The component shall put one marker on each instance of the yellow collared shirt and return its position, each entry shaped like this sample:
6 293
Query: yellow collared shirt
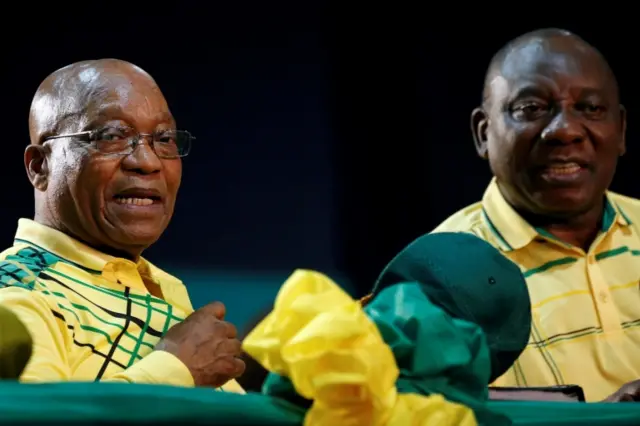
586 306
90 315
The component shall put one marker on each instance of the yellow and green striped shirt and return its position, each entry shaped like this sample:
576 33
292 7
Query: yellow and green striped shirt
586 306
90 315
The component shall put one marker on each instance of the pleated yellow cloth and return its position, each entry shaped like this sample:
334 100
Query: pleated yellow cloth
321 339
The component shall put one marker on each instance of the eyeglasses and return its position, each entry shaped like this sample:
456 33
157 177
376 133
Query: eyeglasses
122 141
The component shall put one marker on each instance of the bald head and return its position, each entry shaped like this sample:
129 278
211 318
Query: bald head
92 115
551 101
528 47
66 96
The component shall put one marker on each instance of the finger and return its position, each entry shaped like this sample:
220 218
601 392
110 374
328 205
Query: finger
231 330
230 347
216 309
236 347
239 367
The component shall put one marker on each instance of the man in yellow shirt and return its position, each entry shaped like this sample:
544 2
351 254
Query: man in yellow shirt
105 163
552 127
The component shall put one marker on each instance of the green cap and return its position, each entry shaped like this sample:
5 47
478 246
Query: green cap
470 280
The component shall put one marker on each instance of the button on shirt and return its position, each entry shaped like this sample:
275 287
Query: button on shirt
586 305
90 315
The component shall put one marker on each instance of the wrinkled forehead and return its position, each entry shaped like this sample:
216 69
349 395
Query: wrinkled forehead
122 96
92 96
559 69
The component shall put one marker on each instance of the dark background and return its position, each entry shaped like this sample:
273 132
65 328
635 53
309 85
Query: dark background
327 137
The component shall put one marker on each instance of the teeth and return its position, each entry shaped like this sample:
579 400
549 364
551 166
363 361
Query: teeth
564 168
135 201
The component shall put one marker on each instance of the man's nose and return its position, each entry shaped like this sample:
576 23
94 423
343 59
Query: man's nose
143 159
565 128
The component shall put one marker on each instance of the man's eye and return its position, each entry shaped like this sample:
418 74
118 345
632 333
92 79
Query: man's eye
111 134
528 111
593 109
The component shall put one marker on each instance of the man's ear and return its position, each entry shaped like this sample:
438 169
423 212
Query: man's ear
479 126
623 124
36 162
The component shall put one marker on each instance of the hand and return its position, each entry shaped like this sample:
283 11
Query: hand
627 393
207 345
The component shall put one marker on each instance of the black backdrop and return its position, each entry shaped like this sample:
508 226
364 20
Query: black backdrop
328 136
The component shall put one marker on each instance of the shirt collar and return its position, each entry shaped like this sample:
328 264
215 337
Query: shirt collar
512 232
92 260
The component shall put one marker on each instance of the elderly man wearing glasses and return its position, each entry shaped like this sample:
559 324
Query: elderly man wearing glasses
105 163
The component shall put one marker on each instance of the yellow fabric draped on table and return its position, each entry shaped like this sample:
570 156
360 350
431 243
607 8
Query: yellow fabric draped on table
322 340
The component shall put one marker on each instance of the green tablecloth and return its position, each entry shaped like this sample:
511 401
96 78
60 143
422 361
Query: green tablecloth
110 403
102 403
568 413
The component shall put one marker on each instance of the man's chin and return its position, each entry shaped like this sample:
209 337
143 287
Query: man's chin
134 236
564 203
139 239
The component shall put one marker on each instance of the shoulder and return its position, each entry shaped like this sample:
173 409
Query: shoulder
21 264
469 219
21 283
463 220
472 220
630 207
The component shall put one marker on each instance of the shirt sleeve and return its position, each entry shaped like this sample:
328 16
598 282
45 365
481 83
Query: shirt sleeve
159 367
49 360
174 372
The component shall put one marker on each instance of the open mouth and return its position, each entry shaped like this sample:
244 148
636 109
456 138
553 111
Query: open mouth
138 197
564 172
563 168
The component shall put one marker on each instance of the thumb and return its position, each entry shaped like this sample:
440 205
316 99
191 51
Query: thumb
216 309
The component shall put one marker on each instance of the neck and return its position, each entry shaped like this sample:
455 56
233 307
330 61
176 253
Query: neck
133 255
130 254
579 230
